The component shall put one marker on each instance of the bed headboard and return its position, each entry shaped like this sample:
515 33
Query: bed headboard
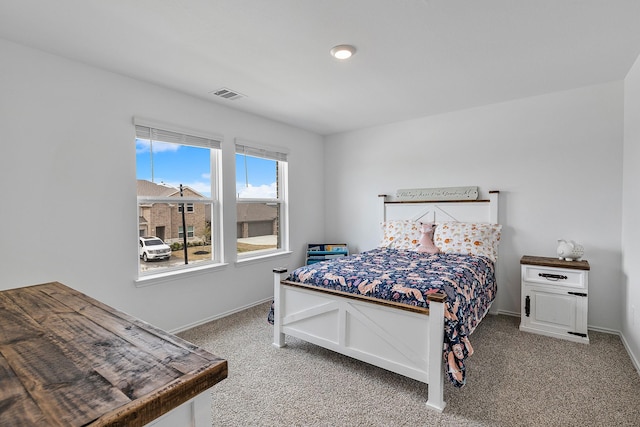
485 210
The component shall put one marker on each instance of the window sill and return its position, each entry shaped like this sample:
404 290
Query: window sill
260 258
170 276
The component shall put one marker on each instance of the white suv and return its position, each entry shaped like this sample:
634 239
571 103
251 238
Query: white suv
153 248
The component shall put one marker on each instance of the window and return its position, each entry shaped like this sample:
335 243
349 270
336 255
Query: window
190 232
261 201
174 170
189 208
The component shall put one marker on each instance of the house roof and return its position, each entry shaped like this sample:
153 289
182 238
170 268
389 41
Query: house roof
151 189
148 188
414 58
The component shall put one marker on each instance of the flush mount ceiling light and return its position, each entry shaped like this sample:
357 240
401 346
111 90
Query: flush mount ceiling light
343 51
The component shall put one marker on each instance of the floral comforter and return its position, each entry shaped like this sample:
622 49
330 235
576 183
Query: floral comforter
408 277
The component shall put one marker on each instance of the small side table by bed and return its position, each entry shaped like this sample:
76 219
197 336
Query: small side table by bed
555 297
69 360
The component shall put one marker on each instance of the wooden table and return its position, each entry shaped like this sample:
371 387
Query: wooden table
69 360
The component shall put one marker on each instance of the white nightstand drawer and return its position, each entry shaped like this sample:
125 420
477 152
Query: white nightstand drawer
554 276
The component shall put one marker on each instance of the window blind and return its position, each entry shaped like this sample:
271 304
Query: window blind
261 152
153 134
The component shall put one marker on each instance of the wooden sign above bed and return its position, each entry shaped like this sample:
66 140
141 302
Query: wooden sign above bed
445 193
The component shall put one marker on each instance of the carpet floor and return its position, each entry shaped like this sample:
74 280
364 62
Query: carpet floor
514 379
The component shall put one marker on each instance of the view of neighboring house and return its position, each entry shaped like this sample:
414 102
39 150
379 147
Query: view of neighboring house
164 220
256 219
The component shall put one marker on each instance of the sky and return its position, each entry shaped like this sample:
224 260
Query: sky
176 164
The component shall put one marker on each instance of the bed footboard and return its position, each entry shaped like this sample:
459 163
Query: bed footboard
402 341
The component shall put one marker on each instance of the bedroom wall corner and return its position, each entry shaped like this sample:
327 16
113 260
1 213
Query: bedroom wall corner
630 215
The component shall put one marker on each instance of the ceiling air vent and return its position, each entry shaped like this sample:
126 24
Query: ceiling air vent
227 94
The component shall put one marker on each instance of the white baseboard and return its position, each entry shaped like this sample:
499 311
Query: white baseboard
509 313
605 330
634 360
219 316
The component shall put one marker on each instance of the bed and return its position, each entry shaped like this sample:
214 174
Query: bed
406 310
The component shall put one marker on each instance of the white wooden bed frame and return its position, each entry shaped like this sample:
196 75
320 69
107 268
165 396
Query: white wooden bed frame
379 332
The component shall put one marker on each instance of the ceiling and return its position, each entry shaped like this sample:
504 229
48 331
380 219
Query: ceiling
414 57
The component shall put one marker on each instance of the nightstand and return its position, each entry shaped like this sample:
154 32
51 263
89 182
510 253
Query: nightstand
555 297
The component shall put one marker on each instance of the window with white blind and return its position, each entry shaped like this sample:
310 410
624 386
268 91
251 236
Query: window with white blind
178 177
261 200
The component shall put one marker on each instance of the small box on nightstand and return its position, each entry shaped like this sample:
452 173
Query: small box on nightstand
554 297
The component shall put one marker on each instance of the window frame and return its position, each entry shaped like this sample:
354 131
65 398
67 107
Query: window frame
279 155
214 200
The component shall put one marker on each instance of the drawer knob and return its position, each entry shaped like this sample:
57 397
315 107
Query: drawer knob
554 277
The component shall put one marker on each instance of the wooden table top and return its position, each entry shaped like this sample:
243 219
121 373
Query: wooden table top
69 360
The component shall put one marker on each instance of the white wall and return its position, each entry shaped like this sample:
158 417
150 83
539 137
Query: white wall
67 169
631 214
556 159
67 173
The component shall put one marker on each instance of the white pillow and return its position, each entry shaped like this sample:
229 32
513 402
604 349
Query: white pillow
468 238
400 234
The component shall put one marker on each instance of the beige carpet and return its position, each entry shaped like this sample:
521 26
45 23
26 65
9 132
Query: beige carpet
514 379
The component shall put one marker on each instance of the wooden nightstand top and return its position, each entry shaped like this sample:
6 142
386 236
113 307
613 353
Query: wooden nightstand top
554 262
